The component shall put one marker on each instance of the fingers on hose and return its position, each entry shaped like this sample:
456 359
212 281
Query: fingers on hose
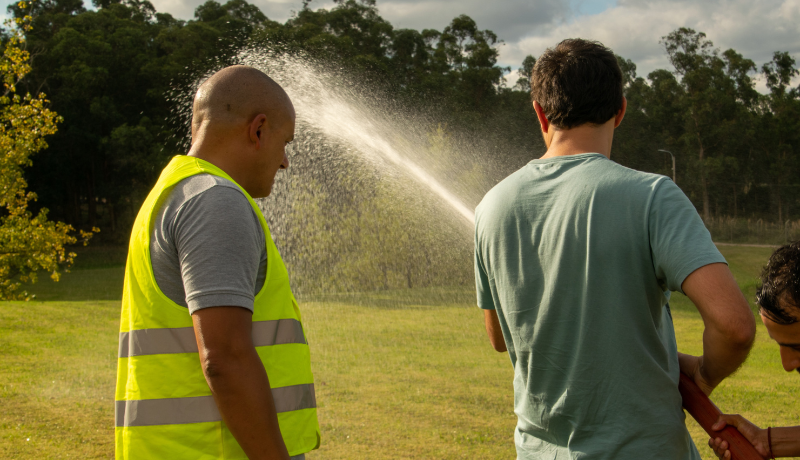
727 419
719 447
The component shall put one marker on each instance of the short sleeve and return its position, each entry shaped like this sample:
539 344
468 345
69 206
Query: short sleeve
219 243
482 285
679 241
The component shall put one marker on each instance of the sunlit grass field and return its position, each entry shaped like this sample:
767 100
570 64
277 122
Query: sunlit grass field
399 374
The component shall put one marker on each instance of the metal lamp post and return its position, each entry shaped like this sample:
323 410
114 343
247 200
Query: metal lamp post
673 163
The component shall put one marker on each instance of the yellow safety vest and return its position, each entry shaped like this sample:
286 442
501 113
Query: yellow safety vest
164 407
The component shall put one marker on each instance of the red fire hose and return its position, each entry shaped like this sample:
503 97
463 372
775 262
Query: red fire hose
706 413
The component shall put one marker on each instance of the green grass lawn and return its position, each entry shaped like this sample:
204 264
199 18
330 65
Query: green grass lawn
399 374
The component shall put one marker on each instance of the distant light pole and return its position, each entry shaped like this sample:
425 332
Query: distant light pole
673 163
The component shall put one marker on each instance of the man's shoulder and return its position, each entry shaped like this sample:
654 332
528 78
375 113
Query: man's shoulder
198 184
198 199
592 171
503 190
628 177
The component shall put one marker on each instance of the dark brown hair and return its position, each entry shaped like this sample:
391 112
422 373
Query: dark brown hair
577 82
778 297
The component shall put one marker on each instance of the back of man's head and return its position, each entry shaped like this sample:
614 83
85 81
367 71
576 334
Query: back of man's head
235 94
778 297
577 82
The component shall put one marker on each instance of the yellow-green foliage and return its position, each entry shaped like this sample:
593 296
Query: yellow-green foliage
28 243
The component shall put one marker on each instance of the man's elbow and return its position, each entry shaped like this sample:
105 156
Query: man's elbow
214 368
745 335
218 364
742 333
498 345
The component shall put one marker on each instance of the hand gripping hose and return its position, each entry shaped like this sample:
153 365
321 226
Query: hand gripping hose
706 413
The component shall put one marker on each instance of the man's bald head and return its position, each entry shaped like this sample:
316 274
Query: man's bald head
236 94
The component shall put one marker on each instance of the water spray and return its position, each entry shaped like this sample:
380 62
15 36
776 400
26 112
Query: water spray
326 102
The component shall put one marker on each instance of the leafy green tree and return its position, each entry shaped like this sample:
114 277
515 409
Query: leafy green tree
525 73
719 97
28 242
634 142
472 55
778 135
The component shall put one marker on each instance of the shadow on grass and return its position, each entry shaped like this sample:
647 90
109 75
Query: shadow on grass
97 274
80 285
89 257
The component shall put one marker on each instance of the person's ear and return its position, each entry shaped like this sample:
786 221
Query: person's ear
258 128
543 121
621 114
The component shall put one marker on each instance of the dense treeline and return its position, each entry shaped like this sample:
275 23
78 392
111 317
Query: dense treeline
108 71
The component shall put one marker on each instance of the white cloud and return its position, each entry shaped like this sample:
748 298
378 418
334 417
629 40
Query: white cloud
509 19
633 29
277 10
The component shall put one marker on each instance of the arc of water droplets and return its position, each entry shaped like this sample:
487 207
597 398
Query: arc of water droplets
342 116
341 121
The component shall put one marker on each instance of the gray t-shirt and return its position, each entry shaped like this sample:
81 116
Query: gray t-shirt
578 256
207 246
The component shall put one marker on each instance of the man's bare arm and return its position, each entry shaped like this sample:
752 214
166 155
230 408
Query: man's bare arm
782 442
238 380
729 325
493 330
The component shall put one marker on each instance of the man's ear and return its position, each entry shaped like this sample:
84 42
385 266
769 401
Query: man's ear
543 121
258 128
621 114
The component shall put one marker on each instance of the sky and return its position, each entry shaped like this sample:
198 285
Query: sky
632 28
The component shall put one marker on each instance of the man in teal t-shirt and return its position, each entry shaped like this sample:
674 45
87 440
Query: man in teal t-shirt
575 258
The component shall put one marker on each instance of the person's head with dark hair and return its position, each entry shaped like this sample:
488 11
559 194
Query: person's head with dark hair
577 82
576 89
778 299
778 296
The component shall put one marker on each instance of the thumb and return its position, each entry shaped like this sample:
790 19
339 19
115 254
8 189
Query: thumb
726 419
722 421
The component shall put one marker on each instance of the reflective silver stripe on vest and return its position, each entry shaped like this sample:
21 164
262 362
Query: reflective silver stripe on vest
173 411
181 339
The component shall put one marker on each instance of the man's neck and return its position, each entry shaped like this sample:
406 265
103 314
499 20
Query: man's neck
218 154
580 139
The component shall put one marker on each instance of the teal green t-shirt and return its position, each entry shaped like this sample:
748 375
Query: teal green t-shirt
578 256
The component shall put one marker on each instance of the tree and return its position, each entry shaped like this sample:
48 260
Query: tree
718 96
778 133
472 56
28 242
525 72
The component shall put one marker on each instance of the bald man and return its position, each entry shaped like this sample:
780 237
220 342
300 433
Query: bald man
213 359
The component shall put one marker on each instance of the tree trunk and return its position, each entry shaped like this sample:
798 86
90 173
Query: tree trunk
703 184
113 217
76 209
706 204
92 200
